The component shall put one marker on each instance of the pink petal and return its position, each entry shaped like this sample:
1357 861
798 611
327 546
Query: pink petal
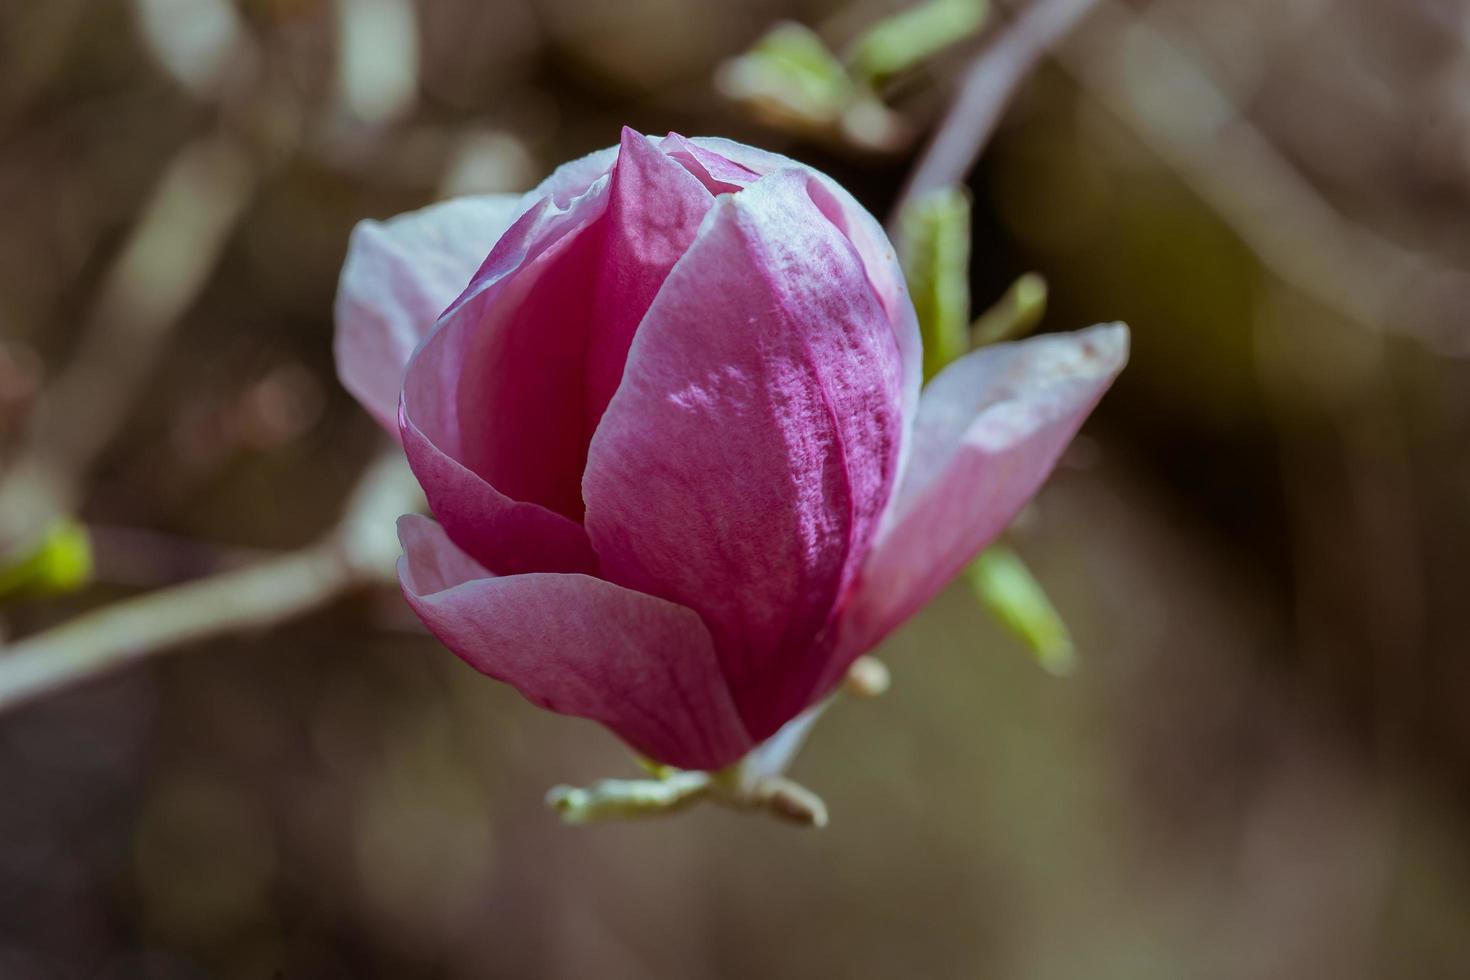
431 563
886 277
643 667
502 401
508 535
726 166
717 172
991 427
652 218
742 467
492 416
399 276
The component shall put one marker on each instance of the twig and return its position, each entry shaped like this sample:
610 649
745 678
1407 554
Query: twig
360 551
117 636
988 86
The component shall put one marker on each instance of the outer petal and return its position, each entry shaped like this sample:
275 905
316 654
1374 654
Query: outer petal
399 276
643 667
991 427
729 165
742 467
573 178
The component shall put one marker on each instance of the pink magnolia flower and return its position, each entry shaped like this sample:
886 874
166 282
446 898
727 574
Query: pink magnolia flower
666 410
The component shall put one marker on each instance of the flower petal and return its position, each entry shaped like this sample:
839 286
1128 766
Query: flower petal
726 165
743 464
654 213
508 535
643 667
505 395
573 179
718 173
492 416
991 427
399 276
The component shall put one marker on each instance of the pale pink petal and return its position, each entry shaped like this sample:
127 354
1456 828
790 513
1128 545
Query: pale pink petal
774 756
991 427
399 276
431 562
580 646
726 158
717 172
742 467
573 178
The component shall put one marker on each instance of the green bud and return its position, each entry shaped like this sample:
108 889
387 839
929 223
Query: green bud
1011 593
60 561
789 76
1014 315
908 38
934 247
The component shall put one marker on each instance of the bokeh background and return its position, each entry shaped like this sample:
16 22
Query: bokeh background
1261 543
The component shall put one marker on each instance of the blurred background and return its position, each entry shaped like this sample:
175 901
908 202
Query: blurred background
1261 543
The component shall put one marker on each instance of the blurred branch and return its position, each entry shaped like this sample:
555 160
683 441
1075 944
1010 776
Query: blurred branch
198 42
377 58
988 86
360 551
172 250
169 256
1138 71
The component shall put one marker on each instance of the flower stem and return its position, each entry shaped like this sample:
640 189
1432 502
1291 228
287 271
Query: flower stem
622 799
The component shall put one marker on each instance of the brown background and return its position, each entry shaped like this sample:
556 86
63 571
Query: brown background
1261 543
